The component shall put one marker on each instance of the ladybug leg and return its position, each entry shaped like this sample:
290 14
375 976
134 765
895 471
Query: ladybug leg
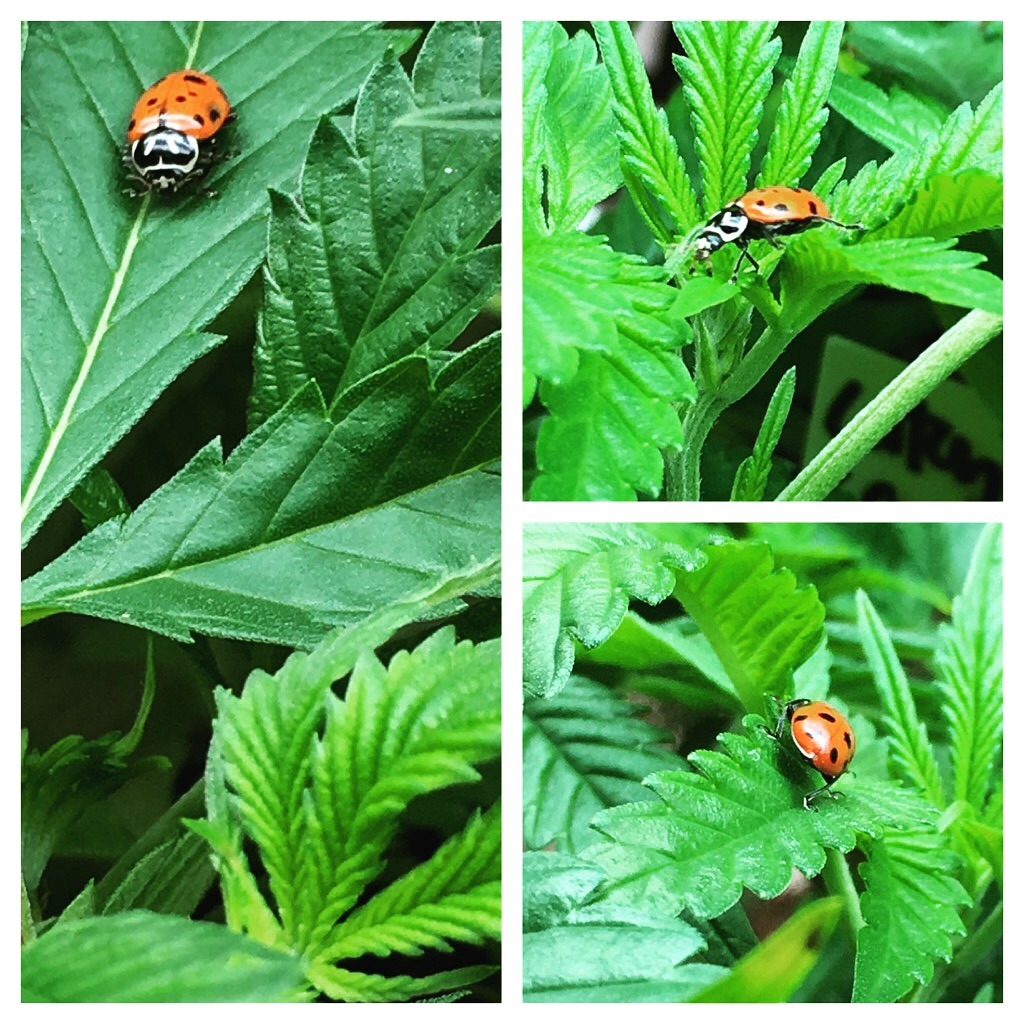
744 255
819 792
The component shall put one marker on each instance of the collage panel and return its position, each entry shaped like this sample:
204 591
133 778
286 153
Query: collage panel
762 762
261 516
762 261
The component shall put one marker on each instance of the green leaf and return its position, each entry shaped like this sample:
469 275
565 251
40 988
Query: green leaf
116 290
319 784
752 473
931 268
970 665
776 968
570 150
577 583
727 75
655 174
583 750
453 897
759 623
380 253
296 531
738 820
802 113
900 121
580 949
910 909
150 958
950 205
908 736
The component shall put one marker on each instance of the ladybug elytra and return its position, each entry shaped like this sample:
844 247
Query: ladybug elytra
823 736
172 128
764 213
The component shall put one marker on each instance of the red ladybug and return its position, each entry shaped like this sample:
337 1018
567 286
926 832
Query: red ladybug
172 128
823 736
764 213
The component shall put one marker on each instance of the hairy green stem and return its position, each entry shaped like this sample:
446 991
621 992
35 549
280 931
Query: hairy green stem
831 465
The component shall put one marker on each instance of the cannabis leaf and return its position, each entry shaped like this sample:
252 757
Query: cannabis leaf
116 291
578 947
319 784
583 750
738 820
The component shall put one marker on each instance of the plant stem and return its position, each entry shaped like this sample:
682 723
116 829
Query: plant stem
682 479
977 944
839 882
832 464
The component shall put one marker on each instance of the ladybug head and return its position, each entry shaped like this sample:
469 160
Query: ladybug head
164 158
726 226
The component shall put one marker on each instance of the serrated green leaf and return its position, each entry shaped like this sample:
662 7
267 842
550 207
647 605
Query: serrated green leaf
453 897
583 750
314 521
570 150
970 664
656 177
989 842
577 583
738 820
898 120
802 113
319 785
151 958
727 74
776 968
752 474
931 268
379 255
908 735
580 949
115 290
353 987
950 205
910 909
759 623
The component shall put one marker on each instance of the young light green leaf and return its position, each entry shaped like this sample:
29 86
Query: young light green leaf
260 545
759 623
117 289
577 583
656 177
453 897
380 254
319 785
570 149
578 948
802 113
738 820
153 958
580 294
908 736
970 664
727 74
583 750
910 907
752 474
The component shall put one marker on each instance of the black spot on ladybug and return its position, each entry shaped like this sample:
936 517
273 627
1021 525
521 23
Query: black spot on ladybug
198 120
833 755
760 202
799 718
784 207
826 716
799 190
214 114
813 207
849 742
152 100
131 124
195 78
180 99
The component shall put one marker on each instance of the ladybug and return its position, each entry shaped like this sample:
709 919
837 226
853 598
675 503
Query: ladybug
764 213
172 130
823 736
